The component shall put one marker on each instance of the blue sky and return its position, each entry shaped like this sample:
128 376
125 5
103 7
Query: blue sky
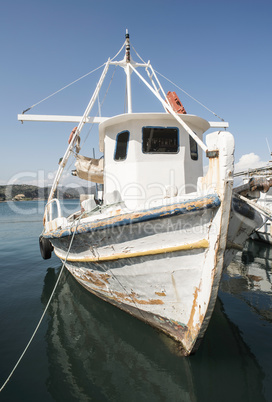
218 51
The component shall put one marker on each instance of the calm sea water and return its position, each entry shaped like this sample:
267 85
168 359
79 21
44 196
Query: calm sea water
88 350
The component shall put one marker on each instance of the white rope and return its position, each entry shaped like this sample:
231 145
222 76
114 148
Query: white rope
39 323
138 55
119 51
66 86
80 78
190 96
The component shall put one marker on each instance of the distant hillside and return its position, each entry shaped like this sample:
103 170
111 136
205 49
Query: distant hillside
28 192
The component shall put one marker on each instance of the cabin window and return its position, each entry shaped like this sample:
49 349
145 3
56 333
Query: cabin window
193 149
160 140
120 153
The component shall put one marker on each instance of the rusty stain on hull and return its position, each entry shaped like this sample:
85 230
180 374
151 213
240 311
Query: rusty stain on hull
160 294
191 330
99 281
173 329
132 297
179 332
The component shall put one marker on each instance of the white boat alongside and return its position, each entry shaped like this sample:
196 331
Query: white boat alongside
156 242
262 177
264 233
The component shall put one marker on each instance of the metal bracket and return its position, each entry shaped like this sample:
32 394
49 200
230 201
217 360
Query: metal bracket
212 154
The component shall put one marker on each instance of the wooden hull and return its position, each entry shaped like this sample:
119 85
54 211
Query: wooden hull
162 267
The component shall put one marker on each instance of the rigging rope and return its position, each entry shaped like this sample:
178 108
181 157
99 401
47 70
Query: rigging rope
45 310
138 55
66 86
190 96
78 79
119 51
111 59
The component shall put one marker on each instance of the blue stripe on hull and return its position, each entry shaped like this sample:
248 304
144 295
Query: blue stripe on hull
198 204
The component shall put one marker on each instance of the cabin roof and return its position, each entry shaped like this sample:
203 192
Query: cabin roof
190 119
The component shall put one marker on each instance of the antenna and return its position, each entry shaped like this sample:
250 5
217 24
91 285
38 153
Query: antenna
127 47
128 72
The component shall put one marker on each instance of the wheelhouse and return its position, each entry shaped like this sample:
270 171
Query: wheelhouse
148 157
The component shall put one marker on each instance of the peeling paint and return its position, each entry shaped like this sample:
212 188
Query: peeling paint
160 294
99 280
132 297
209 201
191 319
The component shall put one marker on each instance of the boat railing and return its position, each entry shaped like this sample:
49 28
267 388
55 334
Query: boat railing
52 223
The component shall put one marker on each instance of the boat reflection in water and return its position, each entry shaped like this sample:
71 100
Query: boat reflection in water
97 352
249 277
246 293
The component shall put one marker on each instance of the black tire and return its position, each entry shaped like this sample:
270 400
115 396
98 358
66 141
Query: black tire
46 248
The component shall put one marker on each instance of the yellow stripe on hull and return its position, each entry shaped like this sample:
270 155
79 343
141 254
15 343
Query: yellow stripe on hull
197 245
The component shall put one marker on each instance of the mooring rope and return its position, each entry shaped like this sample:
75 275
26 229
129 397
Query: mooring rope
45 310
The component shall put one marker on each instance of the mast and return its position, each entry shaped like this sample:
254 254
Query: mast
128 73
129 67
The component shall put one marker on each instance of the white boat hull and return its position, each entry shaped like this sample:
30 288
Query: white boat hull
264 233
163 267
164 271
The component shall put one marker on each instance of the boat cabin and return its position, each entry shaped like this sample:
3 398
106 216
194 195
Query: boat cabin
149 157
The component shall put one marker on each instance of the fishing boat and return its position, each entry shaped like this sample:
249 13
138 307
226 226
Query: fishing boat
155 241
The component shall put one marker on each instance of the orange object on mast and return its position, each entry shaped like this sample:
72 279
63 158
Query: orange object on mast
72 134
175 102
